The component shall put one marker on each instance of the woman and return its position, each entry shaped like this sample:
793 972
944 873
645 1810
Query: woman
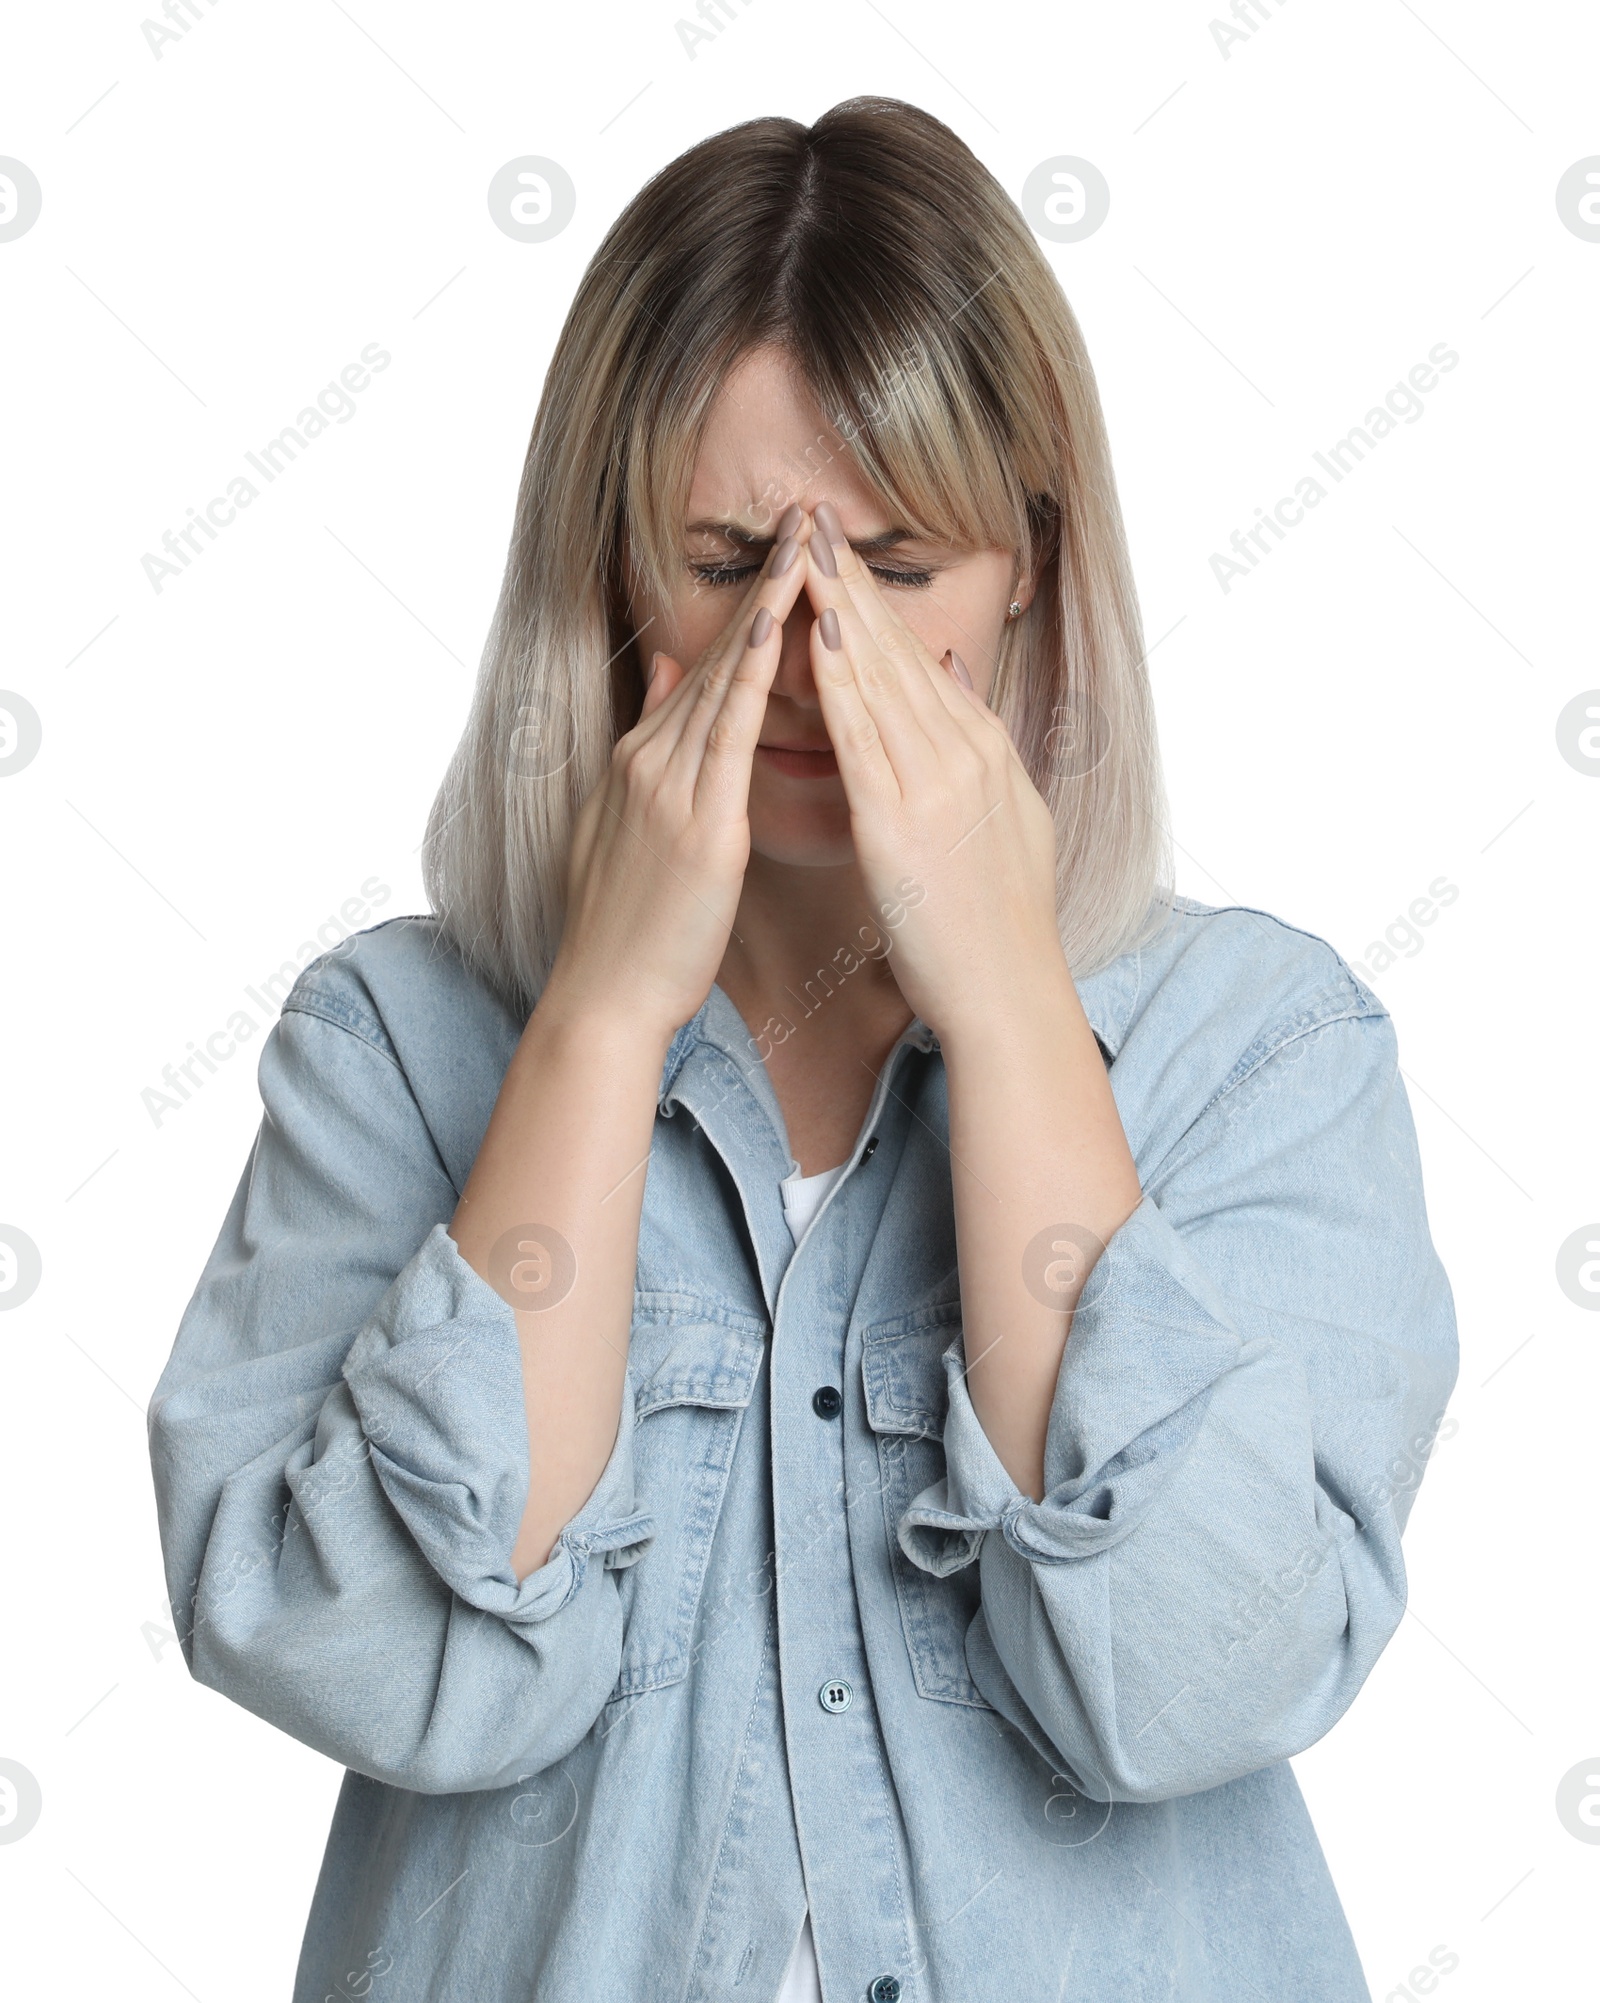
813 1378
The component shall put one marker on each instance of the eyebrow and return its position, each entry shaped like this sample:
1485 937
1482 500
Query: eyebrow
746 539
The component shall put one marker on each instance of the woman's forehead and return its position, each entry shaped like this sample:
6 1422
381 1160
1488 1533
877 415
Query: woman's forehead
757 455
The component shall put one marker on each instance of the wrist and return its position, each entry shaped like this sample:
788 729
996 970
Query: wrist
1019 1016
569 1020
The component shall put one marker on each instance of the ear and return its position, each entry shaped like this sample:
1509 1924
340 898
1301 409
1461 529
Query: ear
1037 566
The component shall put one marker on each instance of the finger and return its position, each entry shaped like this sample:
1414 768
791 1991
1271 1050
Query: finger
844 651
671 691
995 744
868 772
900 679
974 704
728 671
661 678
894 639
929 691
728 752
955 687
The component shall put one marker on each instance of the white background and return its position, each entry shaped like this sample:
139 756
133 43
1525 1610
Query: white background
1292 227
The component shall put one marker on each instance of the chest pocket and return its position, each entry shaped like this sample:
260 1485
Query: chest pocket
693 1364
907 1399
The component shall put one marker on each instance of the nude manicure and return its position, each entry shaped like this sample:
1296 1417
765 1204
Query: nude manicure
823 554
828 522
789 520
958 668
828 627
760 627
784 555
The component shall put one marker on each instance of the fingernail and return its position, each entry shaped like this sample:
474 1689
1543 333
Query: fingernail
828 522
760 627
789 521
784 555
958 668
823 553
828 627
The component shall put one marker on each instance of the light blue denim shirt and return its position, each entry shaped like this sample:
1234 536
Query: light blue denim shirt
1003 1748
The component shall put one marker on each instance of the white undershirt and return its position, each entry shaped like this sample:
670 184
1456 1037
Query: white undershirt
802 1199
800 1984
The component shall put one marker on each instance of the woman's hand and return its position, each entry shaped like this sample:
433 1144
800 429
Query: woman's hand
937 795
660 847
1038 1155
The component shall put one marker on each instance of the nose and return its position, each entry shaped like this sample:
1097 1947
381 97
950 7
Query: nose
793 679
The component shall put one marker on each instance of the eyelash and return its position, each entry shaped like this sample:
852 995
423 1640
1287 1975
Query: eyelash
729 573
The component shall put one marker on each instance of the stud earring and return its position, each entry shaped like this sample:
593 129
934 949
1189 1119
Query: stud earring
1014 610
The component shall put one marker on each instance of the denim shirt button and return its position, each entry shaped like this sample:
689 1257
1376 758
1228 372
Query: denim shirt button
835 1695
826 1402
884 1989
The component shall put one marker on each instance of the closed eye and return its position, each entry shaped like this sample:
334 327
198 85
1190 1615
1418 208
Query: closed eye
716 574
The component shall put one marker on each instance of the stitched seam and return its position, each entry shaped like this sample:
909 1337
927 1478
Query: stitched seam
1192 908
431 1160
1296 1034
769 1636
1133 999
693 1311
914 1321
1370 1004
325 1011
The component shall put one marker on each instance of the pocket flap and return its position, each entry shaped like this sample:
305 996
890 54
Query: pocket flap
902 1370
687 1350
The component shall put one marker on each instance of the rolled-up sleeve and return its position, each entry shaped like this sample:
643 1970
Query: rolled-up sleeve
1253 1383
341 1460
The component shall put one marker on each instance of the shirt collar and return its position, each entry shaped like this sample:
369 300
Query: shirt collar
718 1024
1107 996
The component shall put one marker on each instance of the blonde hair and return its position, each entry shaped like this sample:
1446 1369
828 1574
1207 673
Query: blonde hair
879 252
